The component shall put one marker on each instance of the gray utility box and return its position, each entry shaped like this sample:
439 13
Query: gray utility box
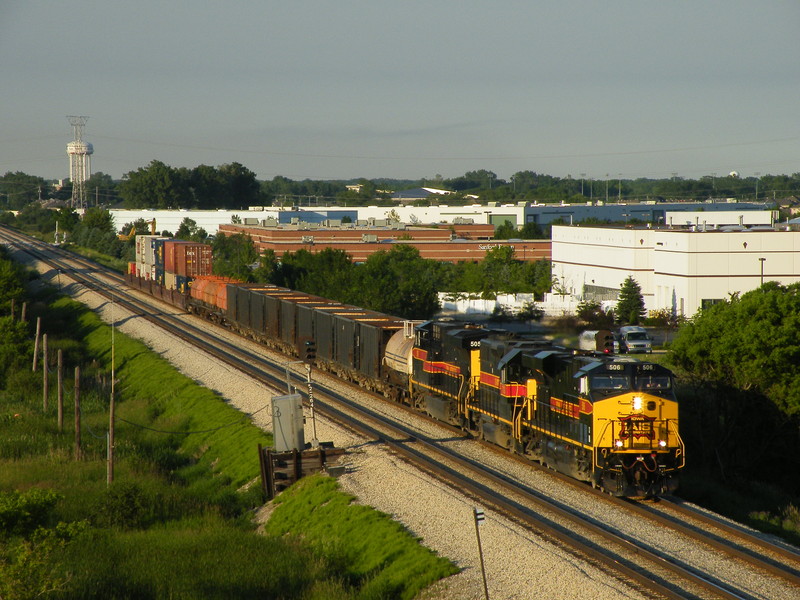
287 422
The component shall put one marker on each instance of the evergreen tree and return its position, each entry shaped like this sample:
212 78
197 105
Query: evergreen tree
630 305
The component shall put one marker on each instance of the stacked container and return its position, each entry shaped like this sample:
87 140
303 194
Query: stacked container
187 259
146 256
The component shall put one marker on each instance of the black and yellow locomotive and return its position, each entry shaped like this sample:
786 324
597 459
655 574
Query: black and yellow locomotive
607 420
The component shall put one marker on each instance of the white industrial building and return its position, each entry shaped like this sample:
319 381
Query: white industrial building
492 213
680 269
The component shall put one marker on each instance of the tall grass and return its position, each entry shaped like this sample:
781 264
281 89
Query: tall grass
176 521
374 554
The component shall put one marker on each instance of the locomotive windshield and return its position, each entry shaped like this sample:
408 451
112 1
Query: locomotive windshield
610 382
653 382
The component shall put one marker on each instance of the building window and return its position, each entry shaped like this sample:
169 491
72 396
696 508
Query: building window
709 302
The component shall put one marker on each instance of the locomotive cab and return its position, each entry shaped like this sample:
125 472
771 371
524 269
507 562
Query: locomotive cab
635 420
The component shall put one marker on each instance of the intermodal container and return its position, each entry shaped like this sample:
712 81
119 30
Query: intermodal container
189 259
145 249
146 271
159 275
158 251
182 283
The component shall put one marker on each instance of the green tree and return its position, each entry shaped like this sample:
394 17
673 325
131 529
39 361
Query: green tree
67 219
19 189
630 305
398 282
500 272
189 231
34 218
242 188
538 277
100 219
157 186
741 413
749 342
101 189
592 313
234 256
506 231
97 231
12 281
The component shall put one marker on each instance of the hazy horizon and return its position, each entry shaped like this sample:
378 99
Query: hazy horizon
337 91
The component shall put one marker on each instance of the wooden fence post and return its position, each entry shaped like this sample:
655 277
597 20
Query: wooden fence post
77 413
45 375
36 342
60 380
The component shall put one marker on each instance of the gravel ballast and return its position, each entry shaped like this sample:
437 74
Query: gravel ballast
518 564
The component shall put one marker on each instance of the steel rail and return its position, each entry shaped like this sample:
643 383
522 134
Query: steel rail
486 493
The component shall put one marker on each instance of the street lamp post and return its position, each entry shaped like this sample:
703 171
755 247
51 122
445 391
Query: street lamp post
762 260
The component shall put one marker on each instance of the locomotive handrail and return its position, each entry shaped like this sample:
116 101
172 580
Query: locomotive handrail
671 425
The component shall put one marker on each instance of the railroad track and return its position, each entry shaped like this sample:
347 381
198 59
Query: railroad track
522 503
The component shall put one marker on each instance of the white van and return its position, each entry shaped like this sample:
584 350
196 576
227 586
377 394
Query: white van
633 338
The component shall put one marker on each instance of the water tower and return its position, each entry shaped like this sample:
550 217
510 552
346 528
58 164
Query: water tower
80 162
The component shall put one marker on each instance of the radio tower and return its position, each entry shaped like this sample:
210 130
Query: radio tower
80 162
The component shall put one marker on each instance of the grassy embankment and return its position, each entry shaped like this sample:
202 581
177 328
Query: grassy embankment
177 520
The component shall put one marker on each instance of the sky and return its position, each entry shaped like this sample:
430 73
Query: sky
338 90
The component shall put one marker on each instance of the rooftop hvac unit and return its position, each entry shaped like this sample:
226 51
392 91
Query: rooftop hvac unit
369 237
306 239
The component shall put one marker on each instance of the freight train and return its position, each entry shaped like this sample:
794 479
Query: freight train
607 420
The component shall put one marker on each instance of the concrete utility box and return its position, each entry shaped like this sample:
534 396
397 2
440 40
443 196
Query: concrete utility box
287 422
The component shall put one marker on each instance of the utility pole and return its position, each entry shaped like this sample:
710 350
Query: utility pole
111 407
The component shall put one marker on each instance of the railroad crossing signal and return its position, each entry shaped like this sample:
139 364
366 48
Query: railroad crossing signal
310 349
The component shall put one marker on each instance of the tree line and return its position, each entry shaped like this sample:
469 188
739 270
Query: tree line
397 281
234 186
739 359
